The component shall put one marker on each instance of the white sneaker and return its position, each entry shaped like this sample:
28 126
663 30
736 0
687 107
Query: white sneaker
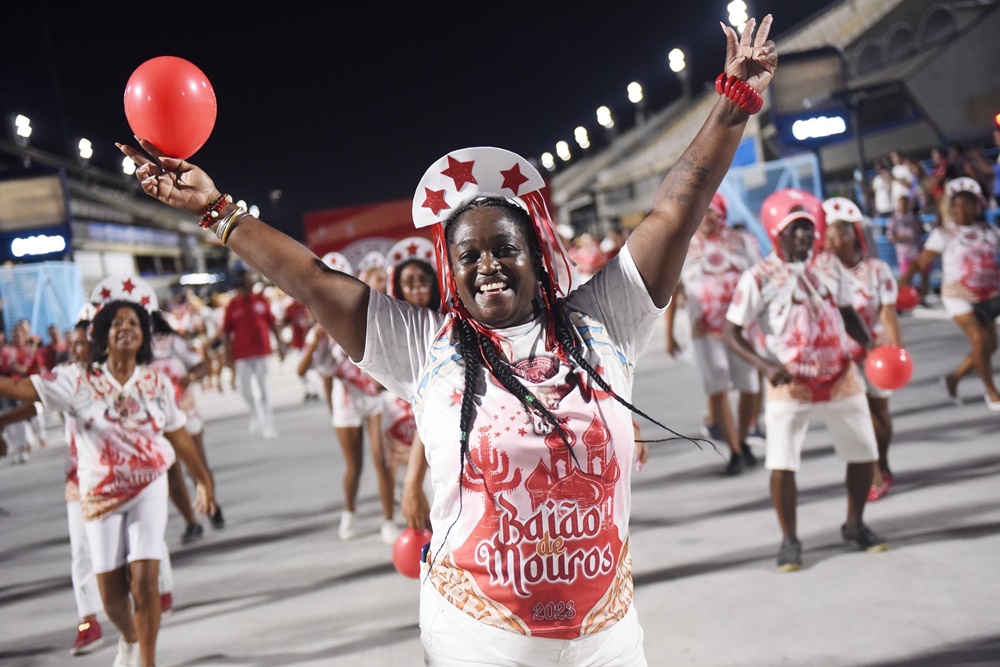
389 532
254 427
128 654
269 434
346 530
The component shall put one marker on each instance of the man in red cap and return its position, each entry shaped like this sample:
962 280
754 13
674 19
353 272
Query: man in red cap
801 298
716 259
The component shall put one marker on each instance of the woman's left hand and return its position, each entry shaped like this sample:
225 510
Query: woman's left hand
749 59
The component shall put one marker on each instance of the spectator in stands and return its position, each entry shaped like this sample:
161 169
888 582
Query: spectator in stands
56 351
942 172
882 190
902 177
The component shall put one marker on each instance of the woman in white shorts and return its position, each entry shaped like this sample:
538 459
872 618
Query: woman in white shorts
970 282
133 430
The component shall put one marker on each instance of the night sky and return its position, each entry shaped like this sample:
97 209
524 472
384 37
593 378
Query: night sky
347 105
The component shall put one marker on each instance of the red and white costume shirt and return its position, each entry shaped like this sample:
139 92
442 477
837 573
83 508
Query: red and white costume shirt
797 306
398 428
711 270
72 462
330 360
872 286
538 542
119 435
968 261
175 357
18 362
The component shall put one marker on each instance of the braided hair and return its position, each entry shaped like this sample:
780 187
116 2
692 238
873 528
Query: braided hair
477 348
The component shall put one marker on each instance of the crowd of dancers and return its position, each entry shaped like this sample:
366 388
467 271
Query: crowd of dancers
482 358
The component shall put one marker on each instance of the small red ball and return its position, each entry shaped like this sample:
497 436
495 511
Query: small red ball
889 367
406 551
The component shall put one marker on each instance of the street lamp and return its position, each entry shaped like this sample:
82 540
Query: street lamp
634 91
738 16
86 149
678 65
562 150
22 131
605 120
580 134
548 161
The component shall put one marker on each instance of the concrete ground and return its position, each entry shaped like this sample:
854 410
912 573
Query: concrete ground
276 586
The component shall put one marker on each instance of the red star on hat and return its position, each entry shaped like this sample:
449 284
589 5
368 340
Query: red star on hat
128 286
460 172
836 206
513 179
412 249
435 201
144 301
105 293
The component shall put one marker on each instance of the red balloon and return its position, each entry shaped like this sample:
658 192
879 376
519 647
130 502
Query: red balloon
406 551
170 102
889 367
908 298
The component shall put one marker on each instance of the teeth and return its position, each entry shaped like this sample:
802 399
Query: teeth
492 286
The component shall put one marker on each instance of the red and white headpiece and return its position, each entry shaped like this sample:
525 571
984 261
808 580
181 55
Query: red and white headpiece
842 209
373 260
413 247
719 205
338 262
783 207
963 184
125 288
87 312
464 175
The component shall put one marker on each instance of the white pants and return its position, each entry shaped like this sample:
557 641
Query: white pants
88 598
721 369
847 419
453 638
248 371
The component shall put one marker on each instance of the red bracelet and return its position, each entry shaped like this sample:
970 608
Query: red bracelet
739 91
212 210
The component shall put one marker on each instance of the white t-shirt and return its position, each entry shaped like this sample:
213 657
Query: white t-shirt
902 182
872 286
538 543
119 435
797 306
711 270
968 261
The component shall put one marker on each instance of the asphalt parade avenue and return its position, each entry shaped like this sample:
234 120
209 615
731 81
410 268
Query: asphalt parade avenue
277 587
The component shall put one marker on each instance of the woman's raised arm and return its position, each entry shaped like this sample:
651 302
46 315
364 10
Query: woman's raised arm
339 301
660 243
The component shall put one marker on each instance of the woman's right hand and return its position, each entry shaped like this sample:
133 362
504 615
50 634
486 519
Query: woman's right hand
777 375
416 510
173 181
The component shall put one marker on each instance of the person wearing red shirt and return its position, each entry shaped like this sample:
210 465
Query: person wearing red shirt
247 329
300 320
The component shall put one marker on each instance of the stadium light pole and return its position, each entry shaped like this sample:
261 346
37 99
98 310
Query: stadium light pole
22 133
678 65
635 96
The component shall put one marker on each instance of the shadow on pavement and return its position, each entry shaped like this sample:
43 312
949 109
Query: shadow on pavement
975 653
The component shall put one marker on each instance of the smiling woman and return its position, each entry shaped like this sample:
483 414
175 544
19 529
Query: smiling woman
134 430
525 378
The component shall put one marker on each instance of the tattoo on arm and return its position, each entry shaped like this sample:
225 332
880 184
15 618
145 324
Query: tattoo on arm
684 178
